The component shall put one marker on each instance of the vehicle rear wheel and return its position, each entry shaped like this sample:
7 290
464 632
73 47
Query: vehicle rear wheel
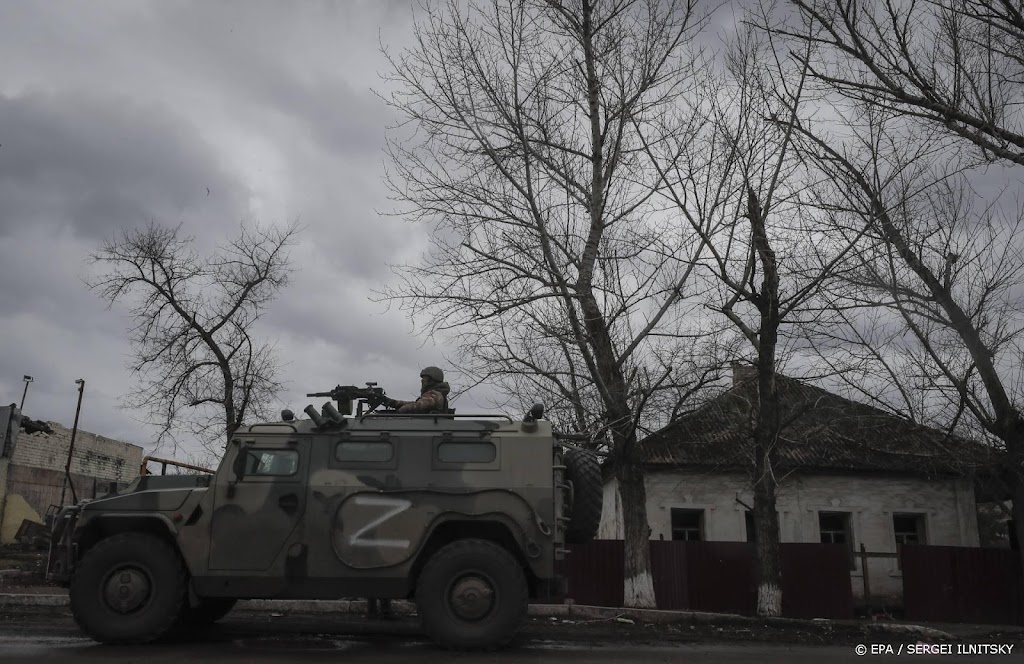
584 471
128 588
208 611
472 594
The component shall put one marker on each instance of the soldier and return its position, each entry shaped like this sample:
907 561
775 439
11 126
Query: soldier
433 394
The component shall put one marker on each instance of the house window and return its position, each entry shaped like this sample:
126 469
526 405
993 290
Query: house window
909 528
835 529
687 525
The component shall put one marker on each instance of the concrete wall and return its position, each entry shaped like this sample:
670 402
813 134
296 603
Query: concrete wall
34 473
948 507
41 487
94 456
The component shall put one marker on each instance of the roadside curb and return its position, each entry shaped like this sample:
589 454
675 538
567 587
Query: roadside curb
406 607
572 612
11 600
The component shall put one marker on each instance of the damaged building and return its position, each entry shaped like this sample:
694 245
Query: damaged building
34 458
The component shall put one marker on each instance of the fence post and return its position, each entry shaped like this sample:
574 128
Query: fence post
864 572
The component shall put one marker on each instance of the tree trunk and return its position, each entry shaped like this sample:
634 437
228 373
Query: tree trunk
767 425
231 422
1014 468
766 524
1018 517
639 588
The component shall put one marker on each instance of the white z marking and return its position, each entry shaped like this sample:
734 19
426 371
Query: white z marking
397 505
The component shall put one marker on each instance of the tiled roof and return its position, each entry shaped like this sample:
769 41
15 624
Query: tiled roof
823 432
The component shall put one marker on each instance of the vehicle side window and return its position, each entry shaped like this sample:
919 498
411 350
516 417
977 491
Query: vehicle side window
472 452
280 463
369 451
466 454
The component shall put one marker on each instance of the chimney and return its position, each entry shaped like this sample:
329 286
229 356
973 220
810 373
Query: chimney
742 372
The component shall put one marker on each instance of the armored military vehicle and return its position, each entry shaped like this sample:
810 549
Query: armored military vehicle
465 514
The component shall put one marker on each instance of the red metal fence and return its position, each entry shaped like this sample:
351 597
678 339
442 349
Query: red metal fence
595 572
716 576
940 583
962 584
816 581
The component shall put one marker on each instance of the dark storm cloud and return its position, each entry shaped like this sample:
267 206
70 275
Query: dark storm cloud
338 118
115 114
255 48
340 315
97 165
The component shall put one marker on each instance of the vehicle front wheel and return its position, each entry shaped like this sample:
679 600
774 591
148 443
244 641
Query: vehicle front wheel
128 588
472 594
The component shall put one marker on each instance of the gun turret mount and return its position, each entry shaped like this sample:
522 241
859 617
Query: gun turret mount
345 394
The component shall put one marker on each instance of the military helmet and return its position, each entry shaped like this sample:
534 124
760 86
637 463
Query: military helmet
433 373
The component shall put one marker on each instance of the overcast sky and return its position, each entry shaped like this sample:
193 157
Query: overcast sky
207 114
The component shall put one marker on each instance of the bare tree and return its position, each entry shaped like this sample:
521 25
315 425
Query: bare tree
957 64
948 264
738 188
194 353
920 80
553 262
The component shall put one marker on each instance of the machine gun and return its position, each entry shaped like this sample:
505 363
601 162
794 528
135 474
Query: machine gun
345 394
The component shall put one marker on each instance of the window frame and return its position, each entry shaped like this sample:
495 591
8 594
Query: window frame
920 520
920 523
847 531
254 476
701 523
437 464
391 464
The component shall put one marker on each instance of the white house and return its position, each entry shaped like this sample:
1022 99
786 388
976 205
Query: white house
848 474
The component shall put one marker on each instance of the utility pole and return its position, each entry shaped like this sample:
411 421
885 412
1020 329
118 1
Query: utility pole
71 448
27 379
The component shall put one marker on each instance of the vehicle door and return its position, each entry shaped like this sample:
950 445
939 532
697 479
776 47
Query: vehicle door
258 509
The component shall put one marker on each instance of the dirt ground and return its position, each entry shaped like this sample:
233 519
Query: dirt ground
21 566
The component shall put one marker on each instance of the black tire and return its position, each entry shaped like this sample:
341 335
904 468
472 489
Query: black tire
208 611
584 471
464 571
140 570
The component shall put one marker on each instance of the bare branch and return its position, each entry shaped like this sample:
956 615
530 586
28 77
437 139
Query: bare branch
192 317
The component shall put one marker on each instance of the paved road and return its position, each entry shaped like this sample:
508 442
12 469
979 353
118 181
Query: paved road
262 638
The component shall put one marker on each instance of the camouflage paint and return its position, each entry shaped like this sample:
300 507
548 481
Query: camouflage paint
345 521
